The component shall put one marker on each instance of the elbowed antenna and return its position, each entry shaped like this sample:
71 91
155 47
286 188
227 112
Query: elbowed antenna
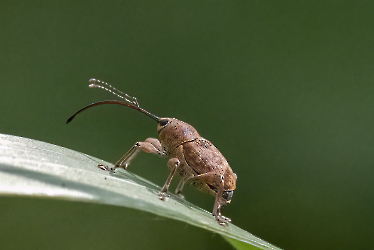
129 101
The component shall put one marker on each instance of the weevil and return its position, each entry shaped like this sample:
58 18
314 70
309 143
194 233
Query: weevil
195 159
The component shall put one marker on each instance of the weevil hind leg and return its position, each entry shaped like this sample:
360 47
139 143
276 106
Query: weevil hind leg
217 181
150 145
222 220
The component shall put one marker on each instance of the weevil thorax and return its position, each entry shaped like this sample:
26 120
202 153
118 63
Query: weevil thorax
173 132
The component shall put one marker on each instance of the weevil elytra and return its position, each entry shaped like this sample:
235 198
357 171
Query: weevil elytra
195 159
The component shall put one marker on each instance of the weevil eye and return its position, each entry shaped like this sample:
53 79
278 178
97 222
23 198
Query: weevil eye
227 195
163 122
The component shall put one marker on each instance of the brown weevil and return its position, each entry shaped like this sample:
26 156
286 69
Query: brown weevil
196 160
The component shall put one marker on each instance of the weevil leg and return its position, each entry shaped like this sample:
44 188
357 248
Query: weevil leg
218 203
179 188
173 165
210 178
214 180
125 160
150 145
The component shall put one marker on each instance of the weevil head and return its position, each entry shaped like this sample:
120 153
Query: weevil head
173 132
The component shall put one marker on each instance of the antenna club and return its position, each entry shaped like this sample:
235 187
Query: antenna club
93 82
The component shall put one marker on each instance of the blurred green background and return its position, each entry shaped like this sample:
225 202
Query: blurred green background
283 88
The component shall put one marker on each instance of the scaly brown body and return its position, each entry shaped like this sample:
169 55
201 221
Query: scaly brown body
196 160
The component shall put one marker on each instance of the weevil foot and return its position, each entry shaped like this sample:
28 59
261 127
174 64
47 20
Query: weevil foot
180 195
124 166
222 220
102 167
106 168
163 196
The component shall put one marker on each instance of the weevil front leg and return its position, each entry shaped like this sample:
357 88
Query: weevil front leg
150 145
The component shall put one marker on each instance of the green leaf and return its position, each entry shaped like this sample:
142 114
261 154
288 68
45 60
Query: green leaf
33 168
